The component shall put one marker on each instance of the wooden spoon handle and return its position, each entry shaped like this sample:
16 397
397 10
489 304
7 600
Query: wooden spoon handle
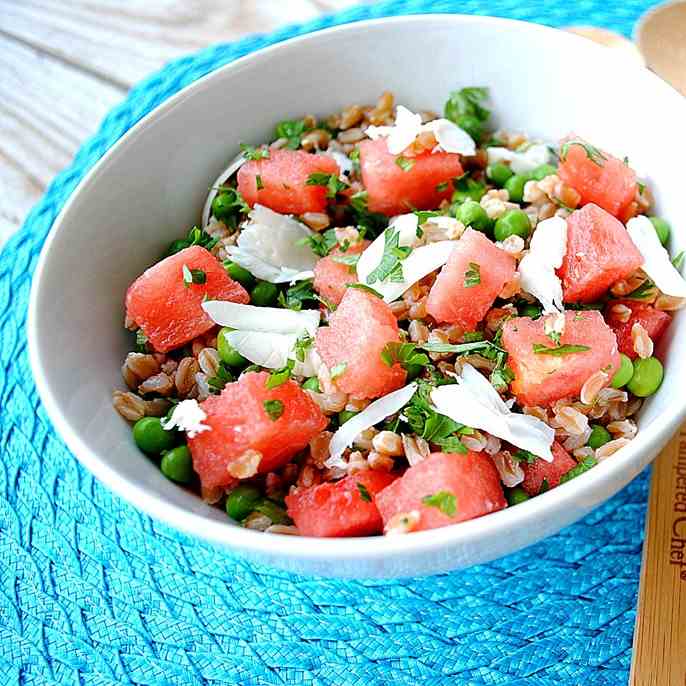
659 655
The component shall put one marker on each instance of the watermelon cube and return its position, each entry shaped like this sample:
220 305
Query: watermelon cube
168 308
351 345
541 378
470 281
331 277
599 252
280 181
445 489
343 508
239 421
598 177
420 183
539 471
654 321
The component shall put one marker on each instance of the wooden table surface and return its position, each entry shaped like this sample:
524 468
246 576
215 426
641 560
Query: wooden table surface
64 64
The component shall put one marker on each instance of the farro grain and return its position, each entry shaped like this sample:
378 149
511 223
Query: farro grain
245 465
380 462
592 386
388 443
319 448
511 288
130 379
317 139
625 286
197 346
142 365
363 440
357 404
513 245
330 403
159 383
610 448
285 529
129 405
203 388
570 420
211 495
668 303
476 442
351 116
641 340
416 448
400 309
493 444
351 136
272 484
418 310
317 221
418 331
509 469
208 360
257 522
621 312
184 378
625 428
157 407
357 462
583 452
536 411
170 367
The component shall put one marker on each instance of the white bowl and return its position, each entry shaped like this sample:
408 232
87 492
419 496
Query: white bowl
149 189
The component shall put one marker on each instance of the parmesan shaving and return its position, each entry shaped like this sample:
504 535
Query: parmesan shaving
372 414
474 402
537 268
187 416
265 319
521 162
657 264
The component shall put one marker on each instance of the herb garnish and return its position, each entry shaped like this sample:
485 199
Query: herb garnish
293 130
331 182
141 341
302 345
465 109
472 277
404 353
522 455
405 163
228 206
274 408
295 296
221 378
195 237
280 376
445 501
364 287
467 188
350 260
390 266
678 260
321 244
364 493
644 290
370 224
258 182
596 156
250 152
190 276
559 350
442 187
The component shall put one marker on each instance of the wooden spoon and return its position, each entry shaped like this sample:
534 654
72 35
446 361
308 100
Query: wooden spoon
659 652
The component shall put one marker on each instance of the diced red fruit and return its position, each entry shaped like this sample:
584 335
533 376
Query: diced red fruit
472 479
599 253
550 472
331 277
343 508
239 422
283 180
452 298
609 182
358 331
168 309
541 378
423 185
654 321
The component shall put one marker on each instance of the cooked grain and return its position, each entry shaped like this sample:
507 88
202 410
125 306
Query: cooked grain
129 405
245 465
184 378
159 383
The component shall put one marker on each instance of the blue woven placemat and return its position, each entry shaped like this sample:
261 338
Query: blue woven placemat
93 593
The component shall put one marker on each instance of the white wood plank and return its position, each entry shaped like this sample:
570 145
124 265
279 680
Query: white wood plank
124 41
47 109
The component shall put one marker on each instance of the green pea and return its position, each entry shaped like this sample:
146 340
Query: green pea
517 495
264 294
599 436
530 310
624 373
345 415
227 353
224 205
150 437
241 501
662 228
512 223
270 509
515 186
413 371
542 171
499 173
177 464
647 377
312 384
238 273
467 189
470 213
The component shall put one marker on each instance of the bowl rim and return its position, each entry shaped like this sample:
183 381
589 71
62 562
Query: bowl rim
302 548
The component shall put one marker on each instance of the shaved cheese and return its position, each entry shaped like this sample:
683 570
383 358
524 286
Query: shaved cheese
406 128
520 161
474 402
537 268
450 137
269 247
270 350
265 319
345 164
187 416
372 414
657 264
235 165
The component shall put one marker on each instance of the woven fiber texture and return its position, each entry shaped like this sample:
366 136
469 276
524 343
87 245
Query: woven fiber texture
92 593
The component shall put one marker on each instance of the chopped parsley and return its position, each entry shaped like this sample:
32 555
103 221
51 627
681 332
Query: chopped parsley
442 187
141 341
293 130
364 287
522 455
331 182
349 260
190 276
559 350
252 153
321 244
445 501
280 376
465 108
472 277
274 408
302 345
460 348
582 467
596 156
554 336
295 296
229 206
195 237
466 188
423 216
390 266
355 159
338 369
258 182
645 290
502 375
678 260
364 493
545 486
404 353
371 224
222 377
405 163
